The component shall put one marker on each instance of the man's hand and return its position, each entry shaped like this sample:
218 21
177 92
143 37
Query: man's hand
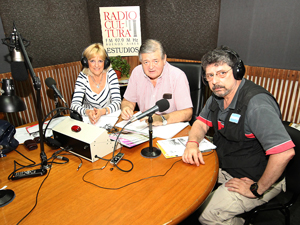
127 113
241 186
157 120
127 108
192 154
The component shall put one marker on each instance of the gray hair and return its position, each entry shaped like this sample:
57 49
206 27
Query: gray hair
218 56
150 46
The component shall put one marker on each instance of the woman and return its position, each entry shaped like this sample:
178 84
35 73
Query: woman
97 90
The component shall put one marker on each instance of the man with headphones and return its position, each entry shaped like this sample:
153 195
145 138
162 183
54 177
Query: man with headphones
253 146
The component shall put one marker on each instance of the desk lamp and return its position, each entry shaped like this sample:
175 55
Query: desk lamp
9 102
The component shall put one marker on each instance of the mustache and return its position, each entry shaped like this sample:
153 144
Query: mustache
217 86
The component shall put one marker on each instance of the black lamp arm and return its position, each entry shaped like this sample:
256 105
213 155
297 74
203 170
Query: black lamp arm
37 86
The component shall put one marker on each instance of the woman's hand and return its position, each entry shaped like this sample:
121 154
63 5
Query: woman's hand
95 114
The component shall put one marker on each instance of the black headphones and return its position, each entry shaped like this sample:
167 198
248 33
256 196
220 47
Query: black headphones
85 63
238 68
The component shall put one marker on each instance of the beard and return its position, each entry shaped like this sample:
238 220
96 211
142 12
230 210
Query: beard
218 93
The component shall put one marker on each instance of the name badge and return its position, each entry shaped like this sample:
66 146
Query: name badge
234 118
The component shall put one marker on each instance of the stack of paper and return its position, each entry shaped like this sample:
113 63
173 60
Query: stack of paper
175 147
166 132
129 140
30 132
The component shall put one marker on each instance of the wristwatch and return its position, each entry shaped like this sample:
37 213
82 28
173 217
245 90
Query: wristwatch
164 121
253 189
106 111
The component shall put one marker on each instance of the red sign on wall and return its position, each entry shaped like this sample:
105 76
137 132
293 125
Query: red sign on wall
121 30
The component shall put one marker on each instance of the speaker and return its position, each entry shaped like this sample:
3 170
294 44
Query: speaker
238 68
85 63
86 142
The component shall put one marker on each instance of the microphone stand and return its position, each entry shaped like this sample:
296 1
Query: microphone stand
56 102
37 86
150 152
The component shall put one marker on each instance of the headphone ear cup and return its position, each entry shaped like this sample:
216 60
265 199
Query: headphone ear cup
239 70
203 77
106 62
52 143
84 62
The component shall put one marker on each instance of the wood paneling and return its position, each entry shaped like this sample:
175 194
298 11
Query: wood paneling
65 76
283 84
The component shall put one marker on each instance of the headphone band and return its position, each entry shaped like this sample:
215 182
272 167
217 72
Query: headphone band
85 63
238 68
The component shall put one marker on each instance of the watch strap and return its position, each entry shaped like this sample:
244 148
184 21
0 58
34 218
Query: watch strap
253 189
164 121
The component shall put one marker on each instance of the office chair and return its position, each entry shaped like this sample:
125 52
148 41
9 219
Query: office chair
292 176
193 73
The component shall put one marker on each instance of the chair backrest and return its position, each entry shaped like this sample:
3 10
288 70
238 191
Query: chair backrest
193 73
292 172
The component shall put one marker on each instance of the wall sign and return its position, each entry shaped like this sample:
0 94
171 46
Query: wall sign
121 30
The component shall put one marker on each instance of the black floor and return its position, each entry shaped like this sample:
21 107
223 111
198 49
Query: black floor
265 218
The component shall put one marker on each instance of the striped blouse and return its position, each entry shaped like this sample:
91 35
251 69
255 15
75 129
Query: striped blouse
84 98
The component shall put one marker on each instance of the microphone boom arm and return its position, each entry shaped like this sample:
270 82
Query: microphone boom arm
37 86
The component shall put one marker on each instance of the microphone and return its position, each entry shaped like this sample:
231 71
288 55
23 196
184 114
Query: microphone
18 67
161 105
50 82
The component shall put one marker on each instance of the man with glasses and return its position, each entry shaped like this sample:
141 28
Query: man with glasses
253 146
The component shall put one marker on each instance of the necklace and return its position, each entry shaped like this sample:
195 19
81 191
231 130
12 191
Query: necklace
97 85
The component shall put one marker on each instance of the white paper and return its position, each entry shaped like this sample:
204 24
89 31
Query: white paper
30 132
176 146
105 120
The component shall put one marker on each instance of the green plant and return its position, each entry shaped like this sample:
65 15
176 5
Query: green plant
120 64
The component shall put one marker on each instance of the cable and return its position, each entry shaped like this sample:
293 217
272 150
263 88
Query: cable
36 199
161 175
54 156
113 153
59 109
122 169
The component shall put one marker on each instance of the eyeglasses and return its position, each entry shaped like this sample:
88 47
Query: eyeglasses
220 74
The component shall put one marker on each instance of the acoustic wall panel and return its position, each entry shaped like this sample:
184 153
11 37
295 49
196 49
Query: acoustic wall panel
265 33
58 30
187 29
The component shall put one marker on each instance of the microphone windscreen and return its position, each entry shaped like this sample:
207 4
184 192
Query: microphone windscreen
163 104
75 115
50 81
19 71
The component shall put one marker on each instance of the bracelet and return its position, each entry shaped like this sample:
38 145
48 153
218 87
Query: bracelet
106 111
194 142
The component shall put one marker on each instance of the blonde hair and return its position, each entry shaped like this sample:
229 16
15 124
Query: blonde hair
92 51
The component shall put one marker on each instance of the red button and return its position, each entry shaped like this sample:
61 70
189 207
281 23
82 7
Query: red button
76 128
